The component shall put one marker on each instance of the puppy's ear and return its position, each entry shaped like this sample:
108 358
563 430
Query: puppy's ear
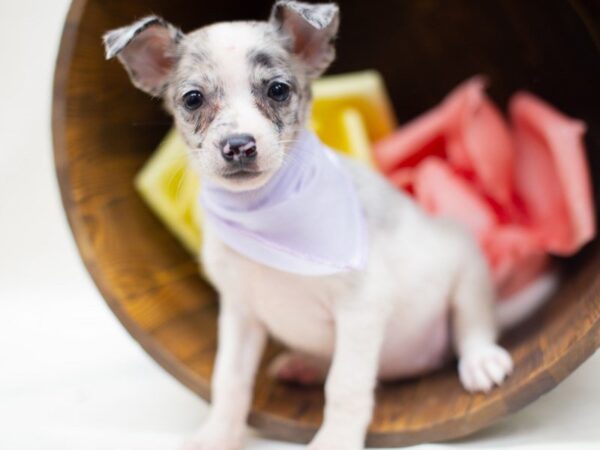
312 29
147 49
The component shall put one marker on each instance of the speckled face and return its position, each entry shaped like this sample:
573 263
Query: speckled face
239 91
232 80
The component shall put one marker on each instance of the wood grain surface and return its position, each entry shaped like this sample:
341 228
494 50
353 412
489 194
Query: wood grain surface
104 130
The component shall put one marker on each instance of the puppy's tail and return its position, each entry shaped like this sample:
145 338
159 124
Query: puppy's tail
512 310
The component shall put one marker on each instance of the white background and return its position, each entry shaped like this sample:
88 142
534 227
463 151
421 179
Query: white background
70 377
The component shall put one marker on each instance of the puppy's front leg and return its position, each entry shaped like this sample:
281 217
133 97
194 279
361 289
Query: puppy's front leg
349 390
241 343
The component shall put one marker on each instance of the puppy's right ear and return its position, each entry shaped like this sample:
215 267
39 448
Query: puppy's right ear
147 49
312 28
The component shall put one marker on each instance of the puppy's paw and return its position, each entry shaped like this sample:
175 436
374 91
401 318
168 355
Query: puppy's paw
484 366
293 367
208 439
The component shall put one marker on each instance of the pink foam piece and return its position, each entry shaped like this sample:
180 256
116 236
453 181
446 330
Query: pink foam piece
468 130
418 139
516 256
403 179
442 192
523 191
480 143
552 179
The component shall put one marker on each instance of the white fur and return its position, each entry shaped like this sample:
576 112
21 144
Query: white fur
389 322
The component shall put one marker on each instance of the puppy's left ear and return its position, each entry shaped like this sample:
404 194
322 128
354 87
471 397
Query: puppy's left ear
312 29
148 50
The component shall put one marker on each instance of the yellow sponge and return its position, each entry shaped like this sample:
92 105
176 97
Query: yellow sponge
344 131
349 113
170 188
362 91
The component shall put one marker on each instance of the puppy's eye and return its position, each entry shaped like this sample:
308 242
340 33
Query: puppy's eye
279 91
193 100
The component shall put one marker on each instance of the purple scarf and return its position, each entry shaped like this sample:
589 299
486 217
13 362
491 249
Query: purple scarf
306 220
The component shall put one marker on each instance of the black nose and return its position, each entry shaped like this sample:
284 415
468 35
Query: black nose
239 147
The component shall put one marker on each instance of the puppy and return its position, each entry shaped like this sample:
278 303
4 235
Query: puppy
346 271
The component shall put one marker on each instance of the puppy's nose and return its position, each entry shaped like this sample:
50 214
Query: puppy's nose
239 147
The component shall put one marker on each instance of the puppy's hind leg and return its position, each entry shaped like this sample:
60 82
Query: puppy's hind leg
482 363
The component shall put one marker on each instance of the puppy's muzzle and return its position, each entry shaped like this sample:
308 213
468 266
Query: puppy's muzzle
240 148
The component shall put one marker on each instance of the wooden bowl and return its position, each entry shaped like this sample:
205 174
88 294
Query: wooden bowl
104 130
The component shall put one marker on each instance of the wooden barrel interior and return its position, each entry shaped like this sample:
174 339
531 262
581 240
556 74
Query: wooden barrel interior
104 130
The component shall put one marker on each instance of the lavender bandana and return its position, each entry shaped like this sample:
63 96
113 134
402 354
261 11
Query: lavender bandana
306 220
